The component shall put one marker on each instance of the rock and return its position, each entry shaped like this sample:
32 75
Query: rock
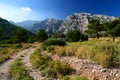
77 61
80 21
103 70
93 70
50 25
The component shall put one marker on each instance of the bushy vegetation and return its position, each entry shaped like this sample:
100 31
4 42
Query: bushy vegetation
52 68
18 71
50 48
42 35
10 33
53 41
73 36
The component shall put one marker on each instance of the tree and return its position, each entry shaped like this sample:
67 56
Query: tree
95 28
113 28
20 35
73 36
1 31
42 35
58 35
84 37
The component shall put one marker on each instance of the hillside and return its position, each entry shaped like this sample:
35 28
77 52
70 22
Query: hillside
8 30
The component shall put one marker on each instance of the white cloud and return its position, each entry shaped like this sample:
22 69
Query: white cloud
26 9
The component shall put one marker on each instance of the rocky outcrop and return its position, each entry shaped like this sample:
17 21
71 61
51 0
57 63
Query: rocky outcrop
50 25
80 21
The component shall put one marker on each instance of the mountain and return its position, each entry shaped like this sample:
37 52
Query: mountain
80 21
26 24
8 30
50 25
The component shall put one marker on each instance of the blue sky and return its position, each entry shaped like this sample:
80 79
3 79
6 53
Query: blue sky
20 10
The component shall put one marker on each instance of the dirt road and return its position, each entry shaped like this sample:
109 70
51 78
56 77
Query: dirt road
5 66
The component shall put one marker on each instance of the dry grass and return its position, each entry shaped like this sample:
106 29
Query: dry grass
70 50
102 59
60 51
85 51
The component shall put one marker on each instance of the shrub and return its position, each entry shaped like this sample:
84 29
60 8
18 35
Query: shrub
73 36
18 71
84 37
42 35
50 48
53 41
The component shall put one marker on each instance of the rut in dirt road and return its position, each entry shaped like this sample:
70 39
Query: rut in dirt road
5 66
34 73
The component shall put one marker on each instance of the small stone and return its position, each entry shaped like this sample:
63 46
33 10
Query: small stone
76 61
103 70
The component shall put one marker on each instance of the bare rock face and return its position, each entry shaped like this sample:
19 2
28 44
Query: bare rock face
80 21
50 25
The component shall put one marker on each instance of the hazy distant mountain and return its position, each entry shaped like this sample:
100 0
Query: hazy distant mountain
26 24
50 25
80 21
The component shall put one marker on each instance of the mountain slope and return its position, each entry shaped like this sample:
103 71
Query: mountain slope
26 24
80 21
8 30
50 25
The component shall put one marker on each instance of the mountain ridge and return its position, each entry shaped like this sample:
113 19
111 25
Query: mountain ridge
78 21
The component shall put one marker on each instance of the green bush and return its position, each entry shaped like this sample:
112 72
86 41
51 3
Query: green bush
73 36
18 71
53 41
84 37
50 48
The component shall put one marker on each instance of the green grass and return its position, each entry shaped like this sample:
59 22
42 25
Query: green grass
18 71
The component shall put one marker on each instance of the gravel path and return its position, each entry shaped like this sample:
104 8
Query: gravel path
5 66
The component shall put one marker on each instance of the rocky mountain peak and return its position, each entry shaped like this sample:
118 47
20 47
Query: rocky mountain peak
80 21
